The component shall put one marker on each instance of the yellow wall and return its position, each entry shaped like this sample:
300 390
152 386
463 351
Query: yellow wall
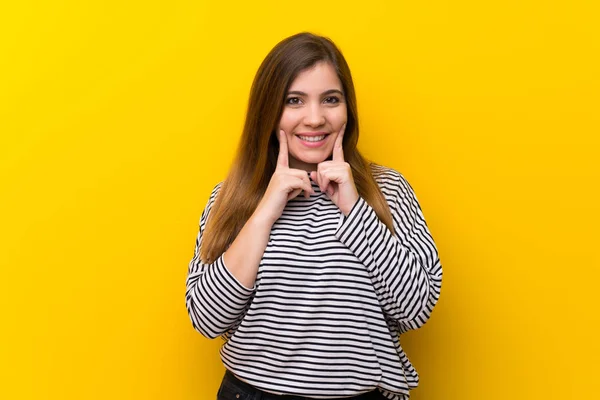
117 118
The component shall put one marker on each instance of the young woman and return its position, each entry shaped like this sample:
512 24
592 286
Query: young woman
310 261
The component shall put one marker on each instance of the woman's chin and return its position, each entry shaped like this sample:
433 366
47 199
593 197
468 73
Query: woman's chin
315 159
307 160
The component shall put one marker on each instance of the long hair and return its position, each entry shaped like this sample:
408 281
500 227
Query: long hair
258 148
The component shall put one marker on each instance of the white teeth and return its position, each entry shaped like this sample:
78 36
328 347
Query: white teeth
312 138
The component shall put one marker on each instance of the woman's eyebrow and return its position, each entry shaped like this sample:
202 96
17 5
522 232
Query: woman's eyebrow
330 91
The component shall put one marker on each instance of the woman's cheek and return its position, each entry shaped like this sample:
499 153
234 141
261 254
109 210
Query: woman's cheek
340 117
287 122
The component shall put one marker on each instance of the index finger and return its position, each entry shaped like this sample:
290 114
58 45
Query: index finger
338 147
282 158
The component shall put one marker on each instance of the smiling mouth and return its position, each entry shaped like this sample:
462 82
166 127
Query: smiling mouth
312 138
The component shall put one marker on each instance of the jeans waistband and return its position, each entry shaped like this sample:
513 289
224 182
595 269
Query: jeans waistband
372 395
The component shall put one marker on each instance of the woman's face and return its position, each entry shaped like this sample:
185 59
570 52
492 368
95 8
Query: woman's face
314 111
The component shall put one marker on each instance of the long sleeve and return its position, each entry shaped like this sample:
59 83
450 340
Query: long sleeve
405 268
214 298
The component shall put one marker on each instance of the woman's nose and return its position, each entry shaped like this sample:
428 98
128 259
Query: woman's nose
314 116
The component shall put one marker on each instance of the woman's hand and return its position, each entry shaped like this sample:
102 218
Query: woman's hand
335 177
285 184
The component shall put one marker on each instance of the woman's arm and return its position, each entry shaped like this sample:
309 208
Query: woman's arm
405 268
217 293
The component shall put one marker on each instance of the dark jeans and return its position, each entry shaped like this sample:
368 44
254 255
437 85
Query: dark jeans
234 389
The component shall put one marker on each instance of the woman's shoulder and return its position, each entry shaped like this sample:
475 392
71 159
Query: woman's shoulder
383 174
392 181
216 189
213 195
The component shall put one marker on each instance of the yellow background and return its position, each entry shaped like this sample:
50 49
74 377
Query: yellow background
117 119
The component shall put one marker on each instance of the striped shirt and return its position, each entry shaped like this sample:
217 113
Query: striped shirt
331 296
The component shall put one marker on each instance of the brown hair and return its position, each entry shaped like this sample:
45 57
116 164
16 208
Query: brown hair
257 152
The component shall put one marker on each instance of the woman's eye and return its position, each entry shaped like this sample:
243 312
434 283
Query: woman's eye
293 100
332 100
